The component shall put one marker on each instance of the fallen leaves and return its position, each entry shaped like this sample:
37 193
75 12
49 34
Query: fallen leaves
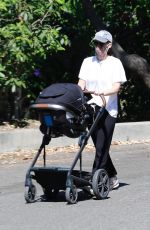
22 156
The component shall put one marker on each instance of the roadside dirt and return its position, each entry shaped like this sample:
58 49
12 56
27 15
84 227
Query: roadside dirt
6 126
22 156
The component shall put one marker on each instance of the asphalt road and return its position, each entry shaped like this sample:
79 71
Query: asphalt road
127 208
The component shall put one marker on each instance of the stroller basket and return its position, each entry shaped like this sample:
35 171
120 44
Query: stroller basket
72 117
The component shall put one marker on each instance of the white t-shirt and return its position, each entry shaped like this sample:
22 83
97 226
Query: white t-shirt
99 76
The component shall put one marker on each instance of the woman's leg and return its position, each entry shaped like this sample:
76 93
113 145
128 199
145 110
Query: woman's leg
102 137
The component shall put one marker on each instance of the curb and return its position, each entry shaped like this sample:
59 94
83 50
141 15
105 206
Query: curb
15 140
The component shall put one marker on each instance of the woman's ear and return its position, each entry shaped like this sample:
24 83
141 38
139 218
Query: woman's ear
109 45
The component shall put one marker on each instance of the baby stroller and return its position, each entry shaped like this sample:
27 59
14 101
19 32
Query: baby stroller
63 110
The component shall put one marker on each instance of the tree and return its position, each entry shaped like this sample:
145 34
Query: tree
42 42
30 30
134 64
126 19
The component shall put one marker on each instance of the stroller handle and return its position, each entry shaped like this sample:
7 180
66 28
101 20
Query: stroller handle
101 95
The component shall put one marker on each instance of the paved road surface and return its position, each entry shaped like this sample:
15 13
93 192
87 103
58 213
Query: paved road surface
127 208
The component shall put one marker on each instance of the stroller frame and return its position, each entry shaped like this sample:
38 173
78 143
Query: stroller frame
52 179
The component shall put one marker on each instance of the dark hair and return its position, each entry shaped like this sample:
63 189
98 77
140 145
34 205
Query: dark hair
110 51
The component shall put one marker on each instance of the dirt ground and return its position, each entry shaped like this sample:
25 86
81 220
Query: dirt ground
5 126
22 156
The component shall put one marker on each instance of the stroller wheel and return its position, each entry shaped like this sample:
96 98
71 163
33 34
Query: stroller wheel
100 184
30 193
71 195
50 193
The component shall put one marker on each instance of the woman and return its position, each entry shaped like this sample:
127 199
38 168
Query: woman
103 74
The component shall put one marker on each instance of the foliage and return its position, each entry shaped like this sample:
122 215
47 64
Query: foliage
42 42
129 22
134 102
30 30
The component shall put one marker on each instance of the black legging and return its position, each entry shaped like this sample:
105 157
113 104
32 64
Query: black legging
102 136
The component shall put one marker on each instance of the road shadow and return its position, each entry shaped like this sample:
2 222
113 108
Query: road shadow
122 184
82 196
60 197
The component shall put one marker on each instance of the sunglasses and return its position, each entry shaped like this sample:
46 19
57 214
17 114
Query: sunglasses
99 44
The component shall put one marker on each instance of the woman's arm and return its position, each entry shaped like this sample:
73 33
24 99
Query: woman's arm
114 89
81 83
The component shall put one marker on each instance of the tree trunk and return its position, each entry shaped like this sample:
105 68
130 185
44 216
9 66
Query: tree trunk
134 65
